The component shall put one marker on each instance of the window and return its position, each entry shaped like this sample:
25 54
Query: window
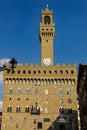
25 120
61 72
50 72
27 91
9 109
60 91
26 109
24 71
55 72
46 119
10 91
34 72
19 91
18 109
44 71
16 126
29 72
39 125
72 72
18 98
39 72
68 91
69 101
46 91
36 91
61 101
10 120
18 71
46 110
61 110
66 72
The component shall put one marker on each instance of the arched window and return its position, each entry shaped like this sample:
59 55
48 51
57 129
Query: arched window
26 109
27 91
9 109
69 91
18 109
10 91
36 91
60 91
19 91
69 101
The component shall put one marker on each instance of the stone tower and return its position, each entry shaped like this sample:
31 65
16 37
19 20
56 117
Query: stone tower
47 32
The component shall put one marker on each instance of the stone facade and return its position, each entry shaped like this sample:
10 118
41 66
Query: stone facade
34 94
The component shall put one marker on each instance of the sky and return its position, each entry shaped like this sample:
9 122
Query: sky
20 25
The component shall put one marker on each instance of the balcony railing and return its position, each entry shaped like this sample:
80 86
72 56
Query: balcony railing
35 111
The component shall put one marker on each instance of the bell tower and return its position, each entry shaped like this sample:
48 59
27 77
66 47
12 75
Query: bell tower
47 31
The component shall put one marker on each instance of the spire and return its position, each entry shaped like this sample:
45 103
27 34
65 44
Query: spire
47 8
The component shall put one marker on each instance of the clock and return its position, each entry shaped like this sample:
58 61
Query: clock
47 61
47 19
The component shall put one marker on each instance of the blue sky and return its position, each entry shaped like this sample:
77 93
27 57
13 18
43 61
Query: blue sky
19 30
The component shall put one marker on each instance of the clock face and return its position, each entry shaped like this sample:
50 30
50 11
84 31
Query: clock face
47 19
47 61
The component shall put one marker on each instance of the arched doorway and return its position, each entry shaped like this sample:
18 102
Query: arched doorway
62 127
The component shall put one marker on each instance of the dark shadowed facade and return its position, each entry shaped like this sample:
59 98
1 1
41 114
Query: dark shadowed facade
82 95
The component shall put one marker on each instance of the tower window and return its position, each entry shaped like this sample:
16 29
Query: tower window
39 72
44 71
47 40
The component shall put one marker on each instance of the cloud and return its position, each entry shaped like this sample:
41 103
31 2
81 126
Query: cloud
2 61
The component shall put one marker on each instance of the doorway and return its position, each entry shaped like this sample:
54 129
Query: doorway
62 127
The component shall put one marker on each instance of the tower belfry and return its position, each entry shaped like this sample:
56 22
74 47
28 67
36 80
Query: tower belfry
47 31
